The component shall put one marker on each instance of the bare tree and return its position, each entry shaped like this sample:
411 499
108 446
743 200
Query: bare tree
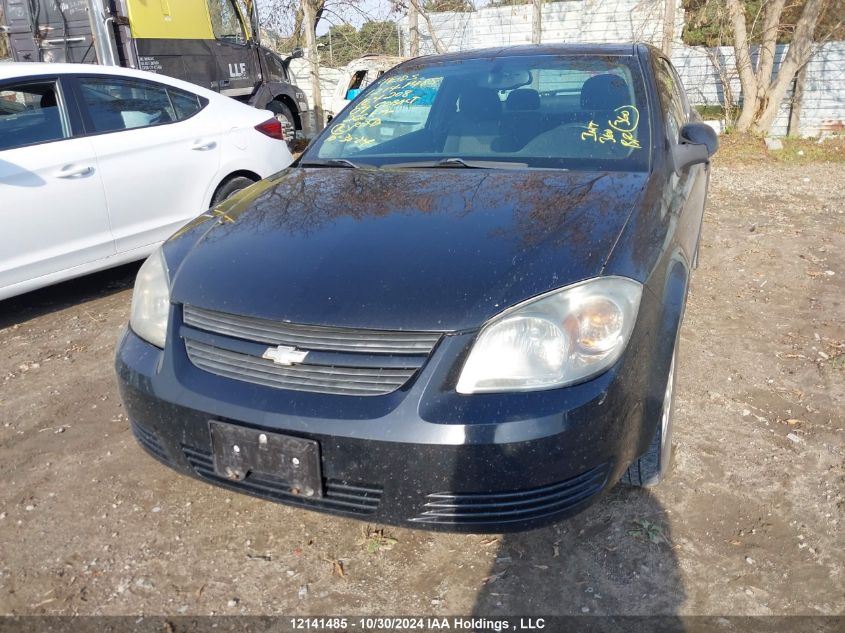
763 94
4 41
309 13
668 26
536 21
725 77
432 32
413 30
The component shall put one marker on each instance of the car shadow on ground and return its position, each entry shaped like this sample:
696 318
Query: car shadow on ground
615 558
66 294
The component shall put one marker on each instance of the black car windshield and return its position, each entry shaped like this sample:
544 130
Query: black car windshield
545 111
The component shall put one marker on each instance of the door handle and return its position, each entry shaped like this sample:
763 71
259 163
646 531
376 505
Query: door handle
203 146
75 171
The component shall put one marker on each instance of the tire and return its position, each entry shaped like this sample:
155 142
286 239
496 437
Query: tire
229 187
652 467
285 117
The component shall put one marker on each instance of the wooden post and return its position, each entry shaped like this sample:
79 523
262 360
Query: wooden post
536 21
413 30
668 27
309 19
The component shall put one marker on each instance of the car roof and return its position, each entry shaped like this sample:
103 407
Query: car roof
11 70
627 49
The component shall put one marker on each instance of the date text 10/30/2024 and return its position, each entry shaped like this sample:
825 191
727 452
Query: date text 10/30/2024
417 624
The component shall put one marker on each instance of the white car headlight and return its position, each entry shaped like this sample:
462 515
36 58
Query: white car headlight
151 301
563 337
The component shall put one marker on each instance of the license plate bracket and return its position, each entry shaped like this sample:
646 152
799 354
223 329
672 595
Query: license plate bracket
239 450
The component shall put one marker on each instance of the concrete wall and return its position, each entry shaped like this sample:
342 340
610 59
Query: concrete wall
300 69
571 21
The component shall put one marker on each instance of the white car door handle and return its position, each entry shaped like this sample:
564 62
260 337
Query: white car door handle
203 146
75 171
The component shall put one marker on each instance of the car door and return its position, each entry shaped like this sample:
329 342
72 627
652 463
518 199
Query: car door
157 158
685 192
52 204
237 58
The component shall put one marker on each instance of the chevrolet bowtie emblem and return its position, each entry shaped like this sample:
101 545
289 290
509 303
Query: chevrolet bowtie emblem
284 355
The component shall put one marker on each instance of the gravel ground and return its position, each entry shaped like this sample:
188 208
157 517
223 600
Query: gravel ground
749 521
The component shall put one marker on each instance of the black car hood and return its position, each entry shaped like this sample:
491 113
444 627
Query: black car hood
414 249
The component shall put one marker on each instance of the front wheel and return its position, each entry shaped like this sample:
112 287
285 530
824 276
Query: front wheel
229 188
285 117
651 467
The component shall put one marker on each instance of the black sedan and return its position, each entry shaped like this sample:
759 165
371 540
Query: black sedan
459 309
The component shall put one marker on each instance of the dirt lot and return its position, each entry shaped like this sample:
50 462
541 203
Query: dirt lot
750 521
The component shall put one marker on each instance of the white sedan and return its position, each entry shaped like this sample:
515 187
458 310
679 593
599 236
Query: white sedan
98 165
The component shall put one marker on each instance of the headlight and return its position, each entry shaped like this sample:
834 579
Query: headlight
151 301
563 337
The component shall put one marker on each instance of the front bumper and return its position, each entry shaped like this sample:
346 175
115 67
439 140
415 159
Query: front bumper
423 456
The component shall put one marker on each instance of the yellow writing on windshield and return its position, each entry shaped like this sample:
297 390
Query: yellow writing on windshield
389 95
606 136
592 129
620 128
627 119
628 140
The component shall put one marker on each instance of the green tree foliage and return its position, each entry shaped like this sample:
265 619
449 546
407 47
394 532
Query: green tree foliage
508 3
707 22
347 43
445 6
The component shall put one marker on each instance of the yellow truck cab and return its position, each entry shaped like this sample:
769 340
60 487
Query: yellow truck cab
212 43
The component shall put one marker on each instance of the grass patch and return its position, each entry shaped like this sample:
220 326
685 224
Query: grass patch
717 112
646 530
735 148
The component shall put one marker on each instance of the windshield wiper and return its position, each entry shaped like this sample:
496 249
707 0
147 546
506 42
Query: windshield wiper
463 163
336 162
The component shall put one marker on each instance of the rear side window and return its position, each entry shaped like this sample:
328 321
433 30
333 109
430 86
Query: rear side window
185 104
31 113
123 104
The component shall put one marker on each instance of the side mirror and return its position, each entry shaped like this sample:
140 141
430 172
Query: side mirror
697 143
294 54
700 134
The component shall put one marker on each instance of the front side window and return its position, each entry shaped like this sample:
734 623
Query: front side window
225 21
572 112
673 102
123 104
275 67
31 113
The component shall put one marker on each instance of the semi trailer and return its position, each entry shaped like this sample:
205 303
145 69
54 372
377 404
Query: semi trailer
212 43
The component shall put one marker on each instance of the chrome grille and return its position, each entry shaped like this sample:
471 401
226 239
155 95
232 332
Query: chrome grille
452 508
340 361
336 380
311 337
